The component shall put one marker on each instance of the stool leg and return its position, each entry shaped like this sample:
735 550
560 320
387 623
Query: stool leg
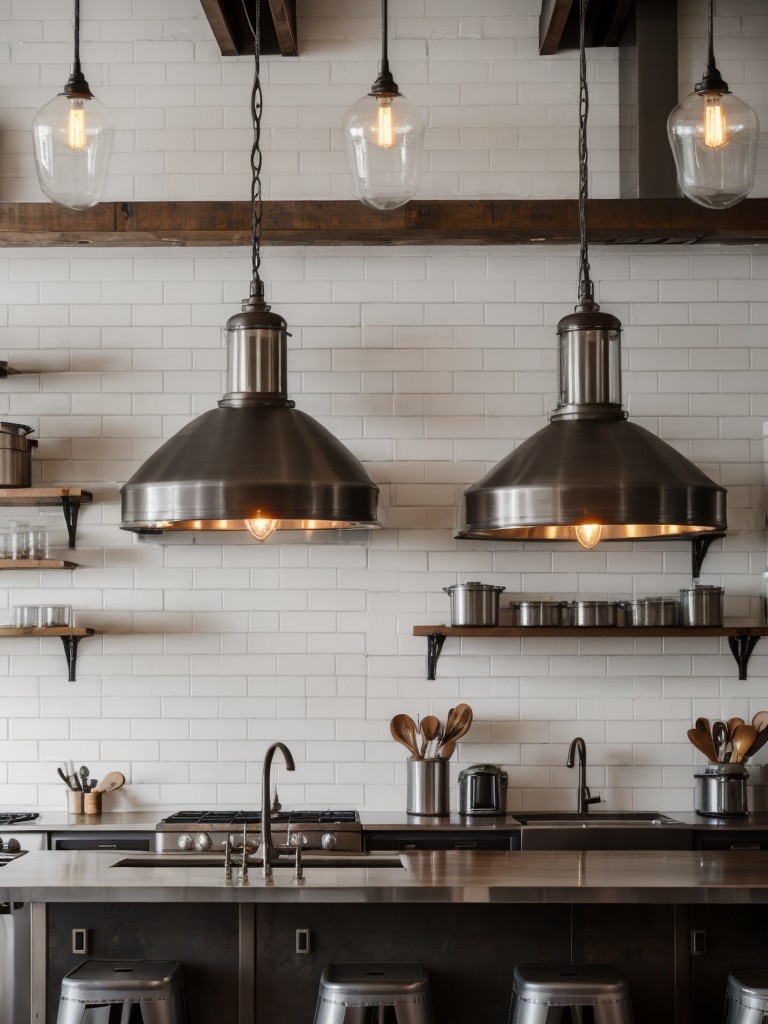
535 1013
614 1013
160 1011
414 1013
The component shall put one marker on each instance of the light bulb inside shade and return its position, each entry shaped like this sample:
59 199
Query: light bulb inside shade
385 135
588 534
714 122
262 529
77 132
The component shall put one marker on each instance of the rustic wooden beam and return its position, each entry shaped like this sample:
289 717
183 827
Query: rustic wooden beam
232 30
552 21
559 24
420 222
655 96
284 21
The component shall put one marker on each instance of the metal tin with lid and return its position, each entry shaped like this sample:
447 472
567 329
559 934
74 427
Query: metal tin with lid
474 604
721 791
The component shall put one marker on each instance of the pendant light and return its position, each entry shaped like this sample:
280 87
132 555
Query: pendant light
384 135
713 136
591 475
72 140
256 462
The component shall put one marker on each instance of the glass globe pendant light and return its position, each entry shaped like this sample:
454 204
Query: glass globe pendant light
72 140
713 136
384 136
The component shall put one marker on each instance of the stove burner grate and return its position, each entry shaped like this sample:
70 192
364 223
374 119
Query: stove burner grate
235 818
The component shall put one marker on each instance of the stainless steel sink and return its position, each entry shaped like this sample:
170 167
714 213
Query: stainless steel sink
309 860
631 818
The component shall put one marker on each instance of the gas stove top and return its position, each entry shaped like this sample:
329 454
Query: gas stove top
202 831
17 817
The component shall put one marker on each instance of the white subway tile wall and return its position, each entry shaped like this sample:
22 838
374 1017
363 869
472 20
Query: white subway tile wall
431 364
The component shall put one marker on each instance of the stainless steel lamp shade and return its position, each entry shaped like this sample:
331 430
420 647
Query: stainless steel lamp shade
590 465
255 457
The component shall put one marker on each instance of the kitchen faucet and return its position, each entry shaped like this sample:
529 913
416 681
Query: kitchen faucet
267 846
584 797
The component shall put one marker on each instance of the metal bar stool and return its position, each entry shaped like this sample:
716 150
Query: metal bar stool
746 997
541 993
374 994
103 992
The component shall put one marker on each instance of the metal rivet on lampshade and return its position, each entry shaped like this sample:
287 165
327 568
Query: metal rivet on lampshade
713 136
72 140
384 136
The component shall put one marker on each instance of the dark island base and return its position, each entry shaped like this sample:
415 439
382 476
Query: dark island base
470 952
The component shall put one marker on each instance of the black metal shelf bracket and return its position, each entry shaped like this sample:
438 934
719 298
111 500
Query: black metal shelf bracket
699 549
435 643
741 648
70 650
71 508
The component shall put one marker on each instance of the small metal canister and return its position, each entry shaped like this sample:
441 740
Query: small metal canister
701 606
721 791
474 604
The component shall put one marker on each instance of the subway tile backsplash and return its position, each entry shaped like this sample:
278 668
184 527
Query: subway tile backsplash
430 364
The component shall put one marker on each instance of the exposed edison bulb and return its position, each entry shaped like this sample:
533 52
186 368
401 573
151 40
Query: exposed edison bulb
385 132
715 134
262 529
77 134
588 534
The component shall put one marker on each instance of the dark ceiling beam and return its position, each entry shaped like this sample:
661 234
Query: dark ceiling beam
552 21
655 96
559 24
232 30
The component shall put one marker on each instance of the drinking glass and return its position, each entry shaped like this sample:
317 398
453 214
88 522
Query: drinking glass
25 615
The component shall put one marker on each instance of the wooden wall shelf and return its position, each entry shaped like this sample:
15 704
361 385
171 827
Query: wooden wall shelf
69 498
420 222
70 637
36 563
742 637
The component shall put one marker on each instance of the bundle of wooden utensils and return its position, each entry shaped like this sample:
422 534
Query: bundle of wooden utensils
430 738
730 742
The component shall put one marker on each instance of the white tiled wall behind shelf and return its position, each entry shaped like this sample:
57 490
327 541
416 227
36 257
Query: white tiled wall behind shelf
429 363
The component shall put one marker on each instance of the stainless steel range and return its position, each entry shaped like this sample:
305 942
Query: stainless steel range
197 832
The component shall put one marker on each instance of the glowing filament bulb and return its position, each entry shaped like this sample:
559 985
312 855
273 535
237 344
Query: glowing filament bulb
714 123
385 135
588 534
77 136
262 529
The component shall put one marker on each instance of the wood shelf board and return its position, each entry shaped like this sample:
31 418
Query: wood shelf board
347 222
12 496
36 563
729 629
78 631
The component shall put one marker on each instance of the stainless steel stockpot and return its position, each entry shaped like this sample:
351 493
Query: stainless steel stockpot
16 455
654 611
592 613
539 613
474 604
701 606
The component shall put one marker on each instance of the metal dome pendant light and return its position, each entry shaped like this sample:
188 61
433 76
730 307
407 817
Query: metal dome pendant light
591 475
384 136
713 136
256 462
72 140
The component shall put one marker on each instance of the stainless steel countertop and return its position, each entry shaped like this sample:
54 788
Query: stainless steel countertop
448 876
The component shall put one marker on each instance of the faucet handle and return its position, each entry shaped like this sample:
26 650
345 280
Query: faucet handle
589 799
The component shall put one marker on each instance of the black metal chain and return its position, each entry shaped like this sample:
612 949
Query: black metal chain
586 288
256 158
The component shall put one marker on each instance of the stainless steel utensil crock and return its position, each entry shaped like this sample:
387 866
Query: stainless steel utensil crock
701 606
721 791
427 791
539 613
15 455
474 604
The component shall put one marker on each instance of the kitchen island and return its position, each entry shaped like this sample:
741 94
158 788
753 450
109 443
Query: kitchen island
468 916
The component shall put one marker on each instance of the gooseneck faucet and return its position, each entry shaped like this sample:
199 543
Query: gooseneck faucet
584 797
267 846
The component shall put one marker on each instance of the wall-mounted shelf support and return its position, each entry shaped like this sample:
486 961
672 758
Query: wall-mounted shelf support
741 649
71 642
435 643
71 507
742 637
70 637
70 499
699 548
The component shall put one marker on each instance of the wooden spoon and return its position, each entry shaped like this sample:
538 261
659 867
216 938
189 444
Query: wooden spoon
743 738
733 724
720 739
403 729
703 742
430 727
762 739
760 720
111 782
458 727
446 749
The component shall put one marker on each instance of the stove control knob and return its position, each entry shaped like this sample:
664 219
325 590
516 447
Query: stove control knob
184 842
203 841
13 846
328 841
298 839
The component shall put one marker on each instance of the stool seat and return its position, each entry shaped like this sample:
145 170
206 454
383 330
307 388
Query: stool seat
746 998
540 992
375 992
154 986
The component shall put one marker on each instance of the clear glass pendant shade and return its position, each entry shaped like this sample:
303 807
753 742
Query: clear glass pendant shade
713 136
384 138
72 143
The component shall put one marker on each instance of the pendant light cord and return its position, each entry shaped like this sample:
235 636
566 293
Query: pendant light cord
384 35
712 80
76 62
257 286
586 288
385 85
76 85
